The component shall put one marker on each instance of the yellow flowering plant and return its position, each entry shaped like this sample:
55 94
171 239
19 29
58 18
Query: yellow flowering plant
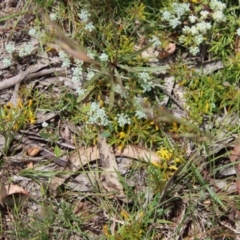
17 117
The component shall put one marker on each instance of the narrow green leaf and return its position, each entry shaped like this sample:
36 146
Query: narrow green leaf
105 134
162 221
111 127
57 151
45 135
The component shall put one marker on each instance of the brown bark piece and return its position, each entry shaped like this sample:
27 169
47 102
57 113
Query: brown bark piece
235 157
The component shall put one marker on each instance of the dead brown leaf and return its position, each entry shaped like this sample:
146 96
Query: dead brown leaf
169 50
65 133
30 165
33 151
10 189
86 155
110 168
136 152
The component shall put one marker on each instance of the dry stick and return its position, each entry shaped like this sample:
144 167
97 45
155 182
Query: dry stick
44 73
13 81
30 73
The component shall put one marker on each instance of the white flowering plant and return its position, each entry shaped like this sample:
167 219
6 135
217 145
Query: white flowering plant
197 25
111 72
105 79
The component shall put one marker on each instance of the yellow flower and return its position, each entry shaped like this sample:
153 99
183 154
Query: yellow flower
164 154
122 135
15 127
30 103
156 164
31 117
175 127
174 168
124 214
177 160
32 120
20 104
105 230
120 147
206 108
194 1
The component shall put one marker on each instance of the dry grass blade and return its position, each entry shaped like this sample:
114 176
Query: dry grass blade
68 45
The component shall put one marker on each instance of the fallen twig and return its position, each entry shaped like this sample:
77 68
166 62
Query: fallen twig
30 73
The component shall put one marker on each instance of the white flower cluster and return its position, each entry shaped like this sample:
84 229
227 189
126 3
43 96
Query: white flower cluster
140 112
77 77
195 34
80 91
90 74
25 50
77 73
33 32
84 16
97 115
117 88
155 40
145 81
123 119
53 16
103 57
217 8
44 124
65 59
177 10
10 48
90 54
7 61
120 90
